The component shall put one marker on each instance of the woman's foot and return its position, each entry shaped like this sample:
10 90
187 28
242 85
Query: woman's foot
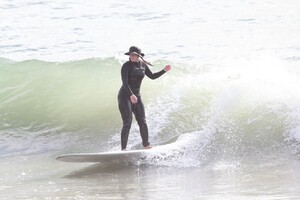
148 147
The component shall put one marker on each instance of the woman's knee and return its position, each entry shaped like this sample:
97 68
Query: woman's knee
127 122
142 121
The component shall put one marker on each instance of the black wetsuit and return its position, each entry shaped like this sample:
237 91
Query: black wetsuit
132 75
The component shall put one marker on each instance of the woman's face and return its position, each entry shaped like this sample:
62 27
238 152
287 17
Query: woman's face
133 57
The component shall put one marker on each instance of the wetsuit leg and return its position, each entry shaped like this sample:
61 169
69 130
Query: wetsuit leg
125 108
139 112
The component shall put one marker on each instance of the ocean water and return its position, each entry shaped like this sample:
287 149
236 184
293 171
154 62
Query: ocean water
231 102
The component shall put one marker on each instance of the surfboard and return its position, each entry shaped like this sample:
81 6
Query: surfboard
114 156
104 157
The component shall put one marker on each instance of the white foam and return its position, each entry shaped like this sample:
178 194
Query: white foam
182 153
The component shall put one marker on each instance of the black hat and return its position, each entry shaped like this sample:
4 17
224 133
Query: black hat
135 50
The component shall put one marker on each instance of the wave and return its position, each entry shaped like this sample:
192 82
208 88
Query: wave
219 114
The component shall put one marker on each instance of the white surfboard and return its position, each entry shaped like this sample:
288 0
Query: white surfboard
114 156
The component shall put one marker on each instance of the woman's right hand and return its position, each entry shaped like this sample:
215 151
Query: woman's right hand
167 68
133 99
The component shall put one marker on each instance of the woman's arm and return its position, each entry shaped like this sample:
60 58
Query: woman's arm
124 76
157 74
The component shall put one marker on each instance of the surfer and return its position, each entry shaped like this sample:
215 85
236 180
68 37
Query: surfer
129 97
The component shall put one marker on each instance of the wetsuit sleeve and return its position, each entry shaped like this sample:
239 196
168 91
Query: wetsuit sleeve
125 75
153 75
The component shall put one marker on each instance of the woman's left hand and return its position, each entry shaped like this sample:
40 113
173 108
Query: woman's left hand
167 68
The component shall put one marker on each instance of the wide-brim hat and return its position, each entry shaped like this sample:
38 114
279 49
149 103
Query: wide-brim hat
135 50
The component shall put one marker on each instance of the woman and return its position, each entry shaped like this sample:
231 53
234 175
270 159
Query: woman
129 98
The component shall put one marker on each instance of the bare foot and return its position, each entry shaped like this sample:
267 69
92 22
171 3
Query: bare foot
148 147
